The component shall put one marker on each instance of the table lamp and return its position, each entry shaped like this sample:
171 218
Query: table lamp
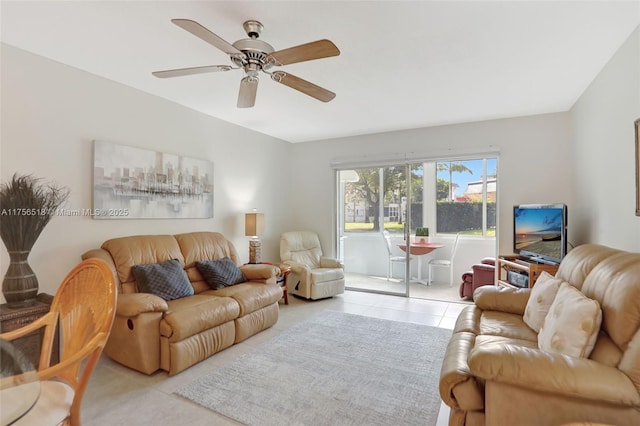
254 227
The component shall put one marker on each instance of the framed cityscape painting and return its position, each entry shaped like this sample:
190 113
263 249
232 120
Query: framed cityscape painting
134 183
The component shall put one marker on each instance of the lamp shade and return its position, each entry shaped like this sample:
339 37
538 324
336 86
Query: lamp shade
253 224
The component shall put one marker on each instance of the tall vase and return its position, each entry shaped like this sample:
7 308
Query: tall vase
20 284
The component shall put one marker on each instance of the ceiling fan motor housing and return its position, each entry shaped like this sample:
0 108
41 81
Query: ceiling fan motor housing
255 51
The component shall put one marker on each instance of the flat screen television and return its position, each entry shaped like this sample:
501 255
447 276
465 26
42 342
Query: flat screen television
540 232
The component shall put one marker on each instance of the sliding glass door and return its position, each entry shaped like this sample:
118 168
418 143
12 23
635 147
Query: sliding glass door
378 208
443 207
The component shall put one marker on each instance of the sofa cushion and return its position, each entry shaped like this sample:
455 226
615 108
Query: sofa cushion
141 250
486 339
326 274
205 246
220 273
301 247
165 279
190 316
572 324
506 324
250 296
542 295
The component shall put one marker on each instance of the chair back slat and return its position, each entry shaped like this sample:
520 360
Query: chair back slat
85 307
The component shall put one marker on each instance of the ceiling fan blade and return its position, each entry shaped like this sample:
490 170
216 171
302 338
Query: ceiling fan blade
190 71
305 52
303 86
201 32
247 95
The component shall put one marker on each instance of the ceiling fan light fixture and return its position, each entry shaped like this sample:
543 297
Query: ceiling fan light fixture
252 70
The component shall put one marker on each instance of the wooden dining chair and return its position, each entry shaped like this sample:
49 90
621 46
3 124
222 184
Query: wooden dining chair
82 310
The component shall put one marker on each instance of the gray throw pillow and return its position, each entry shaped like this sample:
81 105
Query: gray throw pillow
220 273
165 279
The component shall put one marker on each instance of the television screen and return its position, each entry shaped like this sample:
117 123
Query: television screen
540 231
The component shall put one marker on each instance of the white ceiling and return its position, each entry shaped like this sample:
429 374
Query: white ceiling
403 64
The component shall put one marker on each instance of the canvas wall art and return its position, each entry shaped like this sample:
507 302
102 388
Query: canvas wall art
134 183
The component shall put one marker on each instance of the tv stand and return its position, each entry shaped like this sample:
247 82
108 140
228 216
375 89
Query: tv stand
532 268
537 260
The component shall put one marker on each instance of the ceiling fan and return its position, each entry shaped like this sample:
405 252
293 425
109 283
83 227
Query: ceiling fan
255 56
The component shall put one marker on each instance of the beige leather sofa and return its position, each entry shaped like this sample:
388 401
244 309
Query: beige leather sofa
150 333
494 374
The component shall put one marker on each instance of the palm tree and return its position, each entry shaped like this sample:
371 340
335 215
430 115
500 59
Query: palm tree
451 167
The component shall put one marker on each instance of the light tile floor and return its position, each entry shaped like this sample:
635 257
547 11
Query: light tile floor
117 395
438 290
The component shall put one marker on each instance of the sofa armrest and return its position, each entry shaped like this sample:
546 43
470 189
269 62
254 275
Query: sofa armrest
297 268
133 304
467 276
552 373
260 271
300 269
329 262
503 299
488 261
458 387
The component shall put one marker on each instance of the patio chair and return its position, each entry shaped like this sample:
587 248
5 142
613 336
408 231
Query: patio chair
392 258
445 263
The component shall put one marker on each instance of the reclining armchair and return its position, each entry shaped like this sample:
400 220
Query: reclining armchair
482 273
313 276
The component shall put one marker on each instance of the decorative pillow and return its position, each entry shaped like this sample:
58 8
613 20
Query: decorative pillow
165 279
220 273
572 324
542 296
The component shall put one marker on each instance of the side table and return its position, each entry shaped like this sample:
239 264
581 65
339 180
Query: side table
30 345
285 270
281 279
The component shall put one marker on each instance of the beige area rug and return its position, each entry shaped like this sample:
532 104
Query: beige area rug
332 369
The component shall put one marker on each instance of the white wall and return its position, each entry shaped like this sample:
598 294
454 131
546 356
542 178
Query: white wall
51 113
534 167
604 171
584 158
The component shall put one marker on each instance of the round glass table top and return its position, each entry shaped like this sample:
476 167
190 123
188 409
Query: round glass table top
19 384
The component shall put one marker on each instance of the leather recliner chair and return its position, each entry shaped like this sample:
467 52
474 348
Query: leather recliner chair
482 273
313 276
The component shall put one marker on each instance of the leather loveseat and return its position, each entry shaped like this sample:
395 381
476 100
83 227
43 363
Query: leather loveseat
150 333
494 372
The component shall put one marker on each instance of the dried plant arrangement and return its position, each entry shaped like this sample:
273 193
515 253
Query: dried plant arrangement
26 206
